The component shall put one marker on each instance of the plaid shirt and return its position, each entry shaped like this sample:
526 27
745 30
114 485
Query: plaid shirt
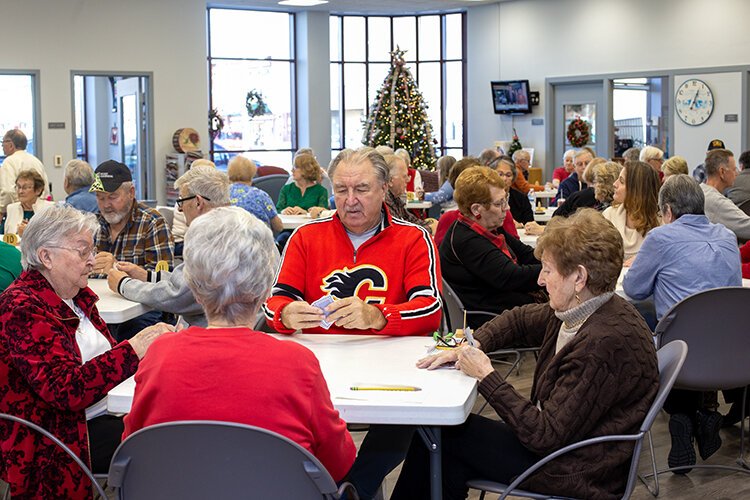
398 209
144 241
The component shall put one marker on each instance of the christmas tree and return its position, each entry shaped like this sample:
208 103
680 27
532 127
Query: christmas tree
398 116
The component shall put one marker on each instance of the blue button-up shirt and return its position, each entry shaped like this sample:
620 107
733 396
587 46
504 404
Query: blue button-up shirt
83 200
682 258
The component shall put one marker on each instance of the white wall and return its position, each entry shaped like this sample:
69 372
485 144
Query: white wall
165 37
691 142
537 39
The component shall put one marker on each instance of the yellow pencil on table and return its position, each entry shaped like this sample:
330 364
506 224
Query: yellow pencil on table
406 388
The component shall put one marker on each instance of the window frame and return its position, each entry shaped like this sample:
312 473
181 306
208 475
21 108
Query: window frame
292 83
36 106
340 63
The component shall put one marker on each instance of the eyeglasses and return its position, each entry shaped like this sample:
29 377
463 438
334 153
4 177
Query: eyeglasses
83 253
502 204
180 201
24 188
447 340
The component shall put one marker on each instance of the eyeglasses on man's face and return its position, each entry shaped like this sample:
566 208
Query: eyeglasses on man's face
180 201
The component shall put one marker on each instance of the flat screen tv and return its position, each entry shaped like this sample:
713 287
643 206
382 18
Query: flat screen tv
511 97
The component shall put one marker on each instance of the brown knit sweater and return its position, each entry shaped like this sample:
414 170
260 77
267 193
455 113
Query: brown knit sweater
601 382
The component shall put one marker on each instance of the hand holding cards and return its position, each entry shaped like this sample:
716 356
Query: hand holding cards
321 304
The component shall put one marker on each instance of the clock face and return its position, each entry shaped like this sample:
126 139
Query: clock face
694 102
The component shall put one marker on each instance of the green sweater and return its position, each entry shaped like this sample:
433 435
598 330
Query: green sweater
291 196
10 265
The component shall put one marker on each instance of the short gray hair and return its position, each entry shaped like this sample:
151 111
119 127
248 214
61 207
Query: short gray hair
382 172
510 163
519 153
79 174
584 151
651 153
53 228
17 137
391 160
207 182
632 154
683 195
570 152
233 286
404 155
489 157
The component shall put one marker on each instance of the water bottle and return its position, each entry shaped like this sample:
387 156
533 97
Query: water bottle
532 199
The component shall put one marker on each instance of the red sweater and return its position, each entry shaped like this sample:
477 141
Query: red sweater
745 258
217 374
45 381
397 270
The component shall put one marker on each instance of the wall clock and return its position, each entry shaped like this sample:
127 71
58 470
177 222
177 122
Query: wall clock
694 102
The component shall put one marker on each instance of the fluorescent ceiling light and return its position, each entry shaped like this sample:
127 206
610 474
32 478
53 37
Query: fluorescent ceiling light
303 3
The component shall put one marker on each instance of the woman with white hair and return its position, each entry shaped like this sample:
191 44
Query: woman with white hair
252 378
58 361
654 157
562 173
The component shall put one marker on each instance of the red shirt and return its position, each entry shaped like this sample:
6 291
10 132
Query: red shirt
560 173
240 375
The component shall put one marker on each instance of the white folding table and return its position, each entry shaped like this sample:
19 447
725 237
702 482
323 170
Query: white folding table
446 396
113 308
294 221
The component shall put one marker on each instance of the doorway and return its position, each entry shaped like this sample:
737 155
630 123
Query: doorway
587 101
112 119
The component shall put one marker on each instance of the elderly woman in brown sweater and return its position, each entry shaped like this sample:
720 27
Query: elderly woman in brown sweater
596 374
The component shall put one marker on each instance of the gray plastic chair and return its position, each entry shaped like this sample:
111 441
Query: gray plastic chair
671 357
453 318
271 184
208 459
713 324
44 432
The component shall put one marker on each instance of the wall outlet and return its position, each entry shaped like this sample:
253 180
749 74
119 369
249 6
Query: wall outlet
58 160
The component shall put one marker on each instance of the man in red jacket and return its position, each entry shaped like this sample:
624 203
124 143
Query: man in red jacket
383 274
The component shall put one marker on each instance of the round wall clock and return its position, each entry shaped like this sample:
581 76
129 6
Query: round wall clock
694 102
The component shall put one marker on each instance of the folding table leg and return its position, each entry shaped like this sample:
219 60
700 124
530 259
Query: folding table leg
431 438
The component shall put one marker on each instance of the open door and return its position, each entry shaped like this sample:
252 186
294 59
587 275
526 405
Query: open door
111 121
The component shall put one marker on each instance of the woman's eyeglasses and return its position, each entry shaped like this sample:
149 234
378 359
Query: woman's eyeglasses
83 253
180 201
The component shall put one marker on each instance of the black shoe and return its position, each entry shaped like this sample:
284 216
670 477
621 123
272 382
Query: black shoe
682 452
733 415
707 432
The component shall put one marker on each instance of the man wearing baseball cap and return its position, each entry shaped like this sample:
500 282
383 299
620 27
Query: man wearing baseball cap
130 232
699 174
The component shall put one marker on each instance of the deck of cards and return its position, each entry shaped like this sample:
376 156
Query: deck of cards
321 304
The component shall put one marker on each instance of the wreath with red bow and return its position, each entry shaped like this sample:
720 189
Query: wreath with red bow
579 132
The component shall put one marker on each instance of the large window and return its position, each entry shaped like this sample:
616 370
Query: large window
251 78
360 61
17 107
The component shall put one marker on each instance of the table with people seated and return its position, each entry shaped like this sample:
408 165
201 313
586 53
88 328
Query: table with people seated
529 239
429 399
114 308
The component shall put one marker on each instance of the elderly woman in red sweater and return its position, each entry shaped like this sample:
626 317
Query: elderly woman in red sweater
58 361
228 371
596 374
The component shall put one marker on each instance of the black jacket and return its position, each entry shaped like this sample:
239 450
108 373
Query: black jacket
520 207
483 276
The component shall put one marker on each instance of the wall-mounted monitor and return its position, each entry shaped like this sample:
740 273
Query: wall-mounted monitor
511 97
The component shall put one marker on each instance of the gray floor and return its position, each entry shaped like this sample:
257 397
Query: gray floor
698 485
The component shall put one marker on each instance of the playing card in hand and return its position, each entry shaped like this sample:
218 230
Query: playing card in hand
321 304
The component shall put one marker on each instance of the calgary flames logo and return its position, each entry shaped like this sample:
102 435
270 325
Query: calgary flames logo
346 282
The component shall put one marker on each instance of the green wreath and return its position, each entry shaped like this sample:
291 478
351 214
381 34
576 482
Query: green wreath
255 104
579 132
215 123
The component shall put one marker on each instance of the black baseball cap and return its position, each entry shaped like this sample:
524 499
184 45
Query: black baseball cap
716 144
109 176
